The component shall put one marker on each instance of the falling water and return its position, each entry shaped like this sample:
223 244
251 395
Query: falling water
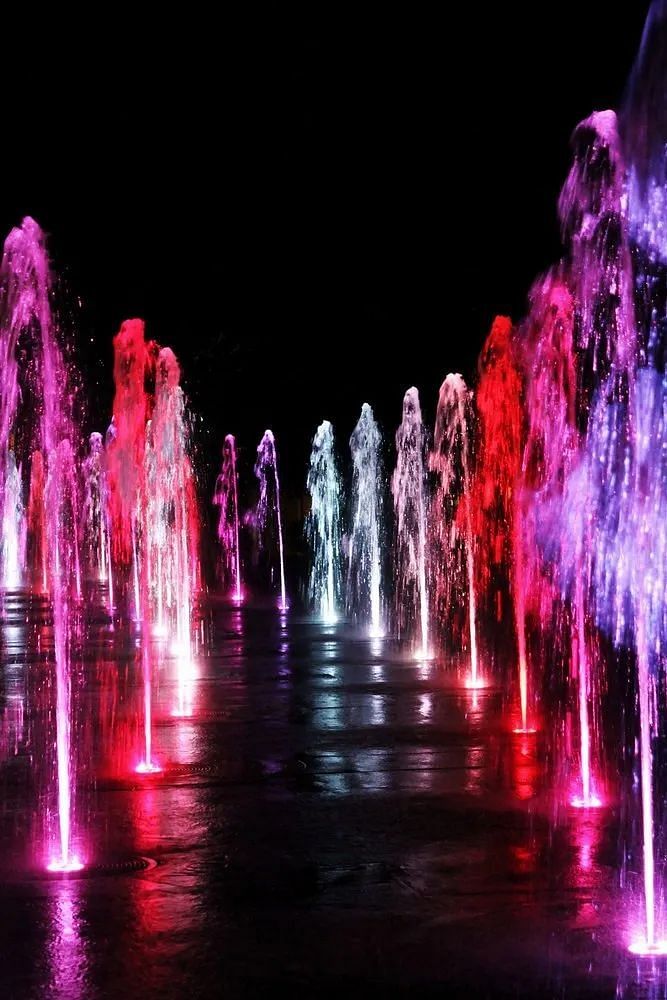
36 541
364 574
551 475
630 562
494 488
323 524
408 487
266 470
612 210
62 513
126 454
95 512
550 450
169 519
226 498
35 413
450 459
126 438
13 526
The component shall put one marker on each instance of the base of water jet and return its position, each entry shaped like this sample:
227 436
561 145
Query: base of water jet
520 731
643 949
62 866
592 802
122 866
475 683
424 656
148 767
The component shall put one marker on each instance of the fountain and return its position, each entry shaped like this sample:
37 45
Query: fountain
95 513
169 521
323 524
452 535
266 470
541 550
364 571
126 455
226 498
408 487
12 553
494 491
35 413
36 533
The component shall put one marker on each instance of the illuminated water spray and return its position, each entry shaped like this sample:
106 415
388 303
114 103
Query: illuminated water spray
612 211
631 567
408 487
364 574
226 498
494 488
323 524
13 526
451 507
95 514
126 464
170 528
62 515
35 413
639 542
266 515
36 547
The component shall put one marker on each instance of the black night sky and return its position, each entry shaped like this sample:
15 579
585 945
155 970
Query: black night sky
314 207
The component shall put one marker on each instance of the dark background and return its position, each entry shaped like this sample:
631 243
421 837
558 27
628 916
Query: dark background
314 207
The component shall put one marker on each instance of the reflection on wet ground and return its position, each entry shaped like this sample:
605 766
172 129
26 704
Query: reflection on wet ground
332 819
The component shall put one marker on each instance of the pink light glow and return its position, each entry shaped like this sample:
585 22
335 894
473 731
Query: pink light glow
643 949
148 767
591 802
65 865
423 656
226 497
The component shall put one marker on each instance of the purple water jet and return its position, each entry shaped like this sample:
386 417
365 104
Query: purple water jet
268 503
226 498
35 412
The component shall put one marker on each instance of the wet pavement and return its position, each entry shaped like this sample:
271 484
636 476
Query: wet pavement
332 820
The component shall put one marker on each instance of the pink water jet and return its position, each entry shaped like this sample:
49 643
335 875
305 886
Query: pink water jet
126 449
36 540
36 413
170 524
451 526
